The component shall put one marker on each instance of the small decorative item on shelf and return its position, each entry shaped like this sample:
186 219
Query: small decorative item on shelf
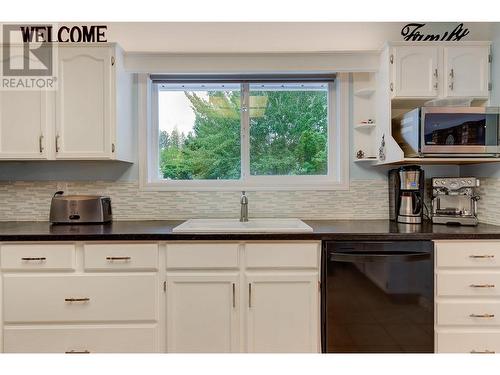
360 154
381 150
365 124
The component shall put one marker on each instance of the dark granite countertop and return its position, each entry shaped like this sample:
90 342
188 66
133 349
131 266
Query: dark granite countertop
162 231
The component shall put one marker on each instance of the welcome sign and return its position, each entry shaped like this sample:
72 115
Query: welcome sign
414 32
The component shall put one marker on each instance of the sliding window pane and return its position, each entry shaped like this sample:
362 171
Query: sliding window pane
199 131
288 129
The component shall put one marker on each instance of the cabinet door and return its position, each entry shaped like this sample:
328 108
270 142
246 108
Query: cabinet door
24 120
415 72
467 71
83 103
202 313
283 312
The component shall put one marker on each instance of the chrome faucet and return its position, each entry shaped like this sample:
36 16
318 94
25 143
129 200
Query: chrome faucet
244 207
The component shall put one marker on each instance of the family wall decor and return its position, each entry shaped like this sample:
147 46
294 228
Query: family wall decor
413 32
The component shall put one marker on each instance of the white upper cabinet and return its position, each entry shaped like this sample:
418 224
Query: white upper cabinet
439 70
415 72
467 71
87 117
83 103
24 124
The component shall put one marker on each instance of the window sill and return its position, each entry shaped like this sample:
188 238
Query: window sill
200 186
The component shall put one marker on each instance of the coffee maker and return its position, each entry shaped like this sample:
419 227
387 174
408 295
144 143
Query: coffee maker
454 200
406 194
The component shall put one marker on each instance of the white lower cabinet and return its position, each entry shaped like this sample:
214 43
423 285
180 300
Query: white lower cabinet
79 298
52 304
265 299
81 339
475 342
202 313
282 312
467 298
184 297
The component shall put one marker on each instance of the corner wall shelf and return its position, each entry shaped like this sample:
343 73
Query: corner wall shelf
367 159
438 161
364 93
364 126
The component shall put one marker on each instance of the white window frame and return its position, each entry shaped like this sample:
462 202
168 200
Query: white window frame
337 177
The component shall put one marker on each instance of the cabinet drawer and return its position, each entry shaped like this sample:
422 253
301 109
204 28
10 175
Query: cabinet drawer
74 339
139 257
482 254
468 284
282 255
79 298
37 257
468 342
202 255
468 313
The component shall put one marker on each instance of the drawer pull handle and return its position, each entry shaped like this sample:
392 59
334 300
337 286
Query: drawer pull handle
482 352
481 256
234 296
77 352
482 285
250 295
85 299
125 259
489 316
34 259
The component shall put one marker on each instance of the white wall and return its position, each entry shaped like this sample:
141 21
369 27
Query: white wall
269 37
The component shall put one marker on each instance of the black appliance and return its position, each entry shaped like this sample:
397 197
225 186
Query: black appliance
378 297
406 194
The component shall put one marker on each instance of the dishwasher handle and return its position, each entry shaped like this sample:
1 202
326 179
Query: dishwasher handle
372 257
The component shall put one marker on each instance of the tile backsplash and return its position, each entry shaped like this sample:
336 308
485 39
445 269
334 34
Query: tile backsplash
365 199
488 206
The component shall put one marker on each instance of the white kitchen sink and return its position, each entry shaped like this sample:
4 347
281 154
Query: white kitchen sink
235 226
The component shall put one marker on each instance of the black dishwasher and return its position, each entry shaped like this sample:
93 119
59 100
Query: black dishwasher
378 297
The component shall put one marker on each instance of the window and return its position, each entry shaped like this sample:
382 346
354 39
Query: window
245 132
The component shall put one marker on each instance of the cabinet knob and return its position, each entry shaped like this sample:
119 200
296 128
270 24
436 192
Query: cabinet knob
481 256
77 352
57 143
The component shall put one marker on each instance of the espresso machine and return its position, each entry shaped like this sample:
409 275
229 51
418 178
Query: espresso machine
454 200
406 194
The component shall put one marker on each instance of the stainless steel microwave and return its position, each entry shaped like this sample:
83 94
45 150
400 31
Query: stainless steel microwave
448 132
